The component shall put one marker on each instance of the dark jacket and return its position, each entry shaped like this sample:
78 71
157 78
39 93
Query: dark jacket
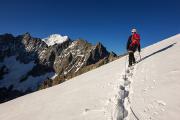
132 48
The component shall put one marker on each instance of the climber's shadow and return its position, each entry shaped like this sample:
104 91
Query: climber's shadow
163 49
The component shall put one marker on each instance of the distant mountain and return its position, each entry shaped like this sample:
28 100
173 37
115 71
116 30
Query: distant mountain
28 64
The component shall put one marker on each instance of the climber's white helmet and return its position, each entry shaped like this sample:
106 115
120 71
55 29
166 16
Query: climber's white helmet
134 30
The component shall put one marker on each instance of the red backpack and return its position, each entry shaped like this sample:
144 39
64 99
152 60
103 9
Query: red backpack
135 40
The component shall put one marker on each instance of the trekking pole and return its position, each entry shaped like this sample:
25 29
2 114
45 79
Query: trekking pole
125 77
140 56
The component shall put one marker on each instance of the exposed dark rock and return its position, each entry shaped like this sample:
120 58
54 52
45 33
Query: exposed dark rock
99 52
3 70
7 94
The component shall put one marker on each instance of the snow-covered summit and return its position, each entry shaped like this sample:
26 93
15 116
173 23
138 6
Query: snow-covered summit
55 39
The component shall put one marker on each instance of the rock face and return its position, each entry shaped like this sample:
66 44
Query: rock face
28 64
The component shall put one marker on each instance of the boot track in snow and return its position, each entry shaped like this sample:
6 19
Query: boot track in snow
123 108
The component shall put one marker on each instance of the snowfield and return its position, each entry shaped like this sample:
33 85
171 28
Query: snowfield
150 92
16 71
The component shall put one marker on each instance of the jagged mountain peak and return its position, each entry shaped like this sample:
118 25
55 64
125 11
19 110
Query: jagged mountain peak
27 34
99 45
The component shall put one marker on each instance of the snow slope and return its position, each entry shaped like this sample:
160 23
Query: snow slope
85 97
151 91
55 39
156 82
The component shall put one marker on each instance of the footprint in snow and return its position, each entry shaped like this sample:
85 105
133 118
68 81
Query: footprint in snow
155 113
86 110
145 89
160 102
130 74
122 87
127 82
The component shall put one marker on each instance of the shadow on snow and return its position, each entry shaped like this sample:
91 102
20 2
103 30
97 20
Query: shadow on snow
163 49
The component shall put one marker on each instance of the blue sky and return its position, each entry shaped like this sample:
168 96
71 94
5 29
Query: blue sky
107 21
